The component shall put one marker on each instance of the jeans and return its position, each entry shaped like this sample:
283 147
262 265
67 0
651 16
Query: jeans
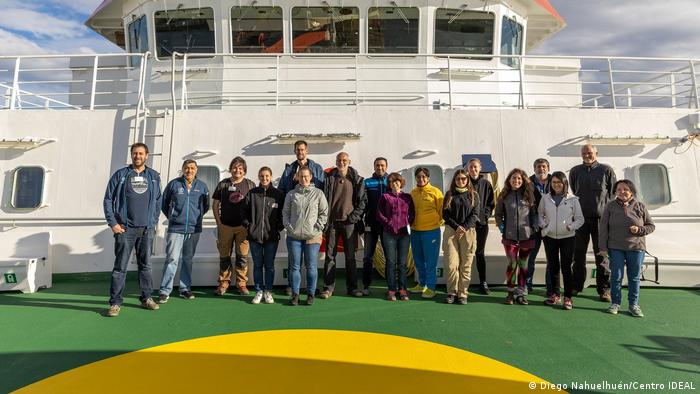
140 238
371 238
396 254
178 247
264 260
426 250
482 233
347 231
310 252
619 259
560 253
602 277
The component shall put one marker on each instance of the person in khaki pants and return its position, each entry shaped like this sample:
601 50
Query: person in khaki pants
229 206
461 213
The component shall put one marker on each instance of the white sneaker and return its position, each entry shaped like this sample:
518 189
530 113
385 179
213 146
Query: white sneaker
636 311
614 308
258 297
268 297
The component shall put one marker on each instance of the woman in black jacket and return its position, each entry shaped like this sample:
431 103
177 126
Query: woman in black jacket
486 204
461 213
263 220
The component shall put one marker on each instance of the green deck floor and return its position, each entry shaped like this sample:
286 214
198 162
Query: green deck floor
63 327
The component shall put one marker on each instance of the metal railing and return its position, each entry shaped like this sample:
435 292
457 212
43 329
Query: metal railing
192 81
73 81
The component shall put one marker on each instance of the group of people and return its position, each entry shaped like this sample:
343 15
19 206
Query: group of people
339 205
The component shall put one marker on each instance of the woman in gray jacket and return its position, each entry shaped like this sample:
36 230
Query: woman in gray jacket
304 216
623 226
517 220
560 216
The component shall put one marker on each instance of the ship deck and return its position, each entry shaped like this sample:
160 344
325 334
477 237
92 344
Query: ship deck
62 328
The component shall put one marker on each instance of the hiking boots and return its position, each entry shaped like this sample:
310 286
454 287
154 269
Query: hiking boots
325 294
187 295
521 299
450 299
509 299
461 301
294 301
113 310
163 298
242 290
149 304
310 299
605 296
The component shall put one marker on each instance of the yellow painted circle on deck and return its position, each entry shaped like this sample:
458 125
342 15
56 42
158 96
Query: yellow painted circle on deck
293 361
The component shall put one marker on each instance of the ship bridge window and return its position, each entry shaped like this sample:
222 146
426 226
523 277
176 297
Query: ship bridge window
138 39
325 30
511 41
256 30
464 32
653 186
393 30
185 31
28 187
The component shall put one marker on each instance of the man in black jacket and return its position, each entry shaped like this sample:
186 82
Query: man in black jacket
540 185
345 191
593 183
375 186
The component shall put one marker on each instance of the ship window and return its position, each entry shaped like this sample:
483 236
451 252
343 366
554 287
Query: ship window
393 30
138 39
463 32
653 186
511 41
28 187
256 30
210 175
325 30
185 31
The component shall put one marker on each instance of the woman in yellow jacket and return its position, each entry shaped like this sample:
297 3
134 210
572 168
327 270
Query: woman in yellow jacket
425 232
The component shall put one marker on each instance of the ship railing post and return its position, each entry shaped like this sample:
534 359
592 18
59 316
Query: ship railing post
521 73
629 97
95 62
695 85
449 80
277 81
183 94
15 84
172 81
672 81
356 81
612 84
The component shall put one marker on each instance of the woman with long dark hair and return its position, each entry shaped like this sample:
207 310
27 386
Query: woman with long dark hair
460 212
486 205
560 216
517 220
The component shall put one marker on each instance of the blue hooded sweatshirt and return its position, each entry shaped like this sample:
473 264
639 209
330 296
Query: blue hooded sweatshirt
115 205
185 208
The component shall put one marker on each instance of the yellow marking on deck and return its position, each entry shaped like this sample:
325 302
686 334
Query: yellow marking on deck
293 361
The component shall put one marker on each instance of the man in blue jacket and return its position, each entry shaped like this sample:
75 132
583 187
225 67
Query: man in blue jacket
375 186
185 201
132 206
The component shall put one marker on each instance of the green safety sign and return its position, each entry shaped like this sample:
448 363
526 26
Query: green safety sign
10 277
439 272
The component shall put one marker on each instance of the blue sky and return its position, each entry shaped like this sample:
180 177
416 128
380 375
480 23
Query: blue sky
595 27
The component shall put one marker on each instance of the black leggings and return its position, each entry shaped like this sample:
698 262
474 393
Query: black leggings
482 232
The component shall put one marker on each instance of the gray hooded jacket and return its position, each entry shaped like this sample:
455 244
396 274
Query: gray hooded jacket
305 212
516 216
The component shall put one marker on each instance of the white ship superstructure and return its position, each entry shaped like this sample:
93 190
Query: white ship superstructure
422 83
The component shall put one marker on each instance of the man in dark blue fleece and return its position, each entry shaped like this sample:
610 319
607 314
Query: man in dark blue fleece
185 201
132 206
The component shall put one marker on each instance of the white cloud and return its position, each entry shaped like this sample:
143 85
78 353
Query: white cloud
40 24
626 28
81 6
13 44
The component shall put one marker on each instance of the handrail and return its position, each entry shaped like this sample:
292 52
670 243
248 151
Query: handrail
48 99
